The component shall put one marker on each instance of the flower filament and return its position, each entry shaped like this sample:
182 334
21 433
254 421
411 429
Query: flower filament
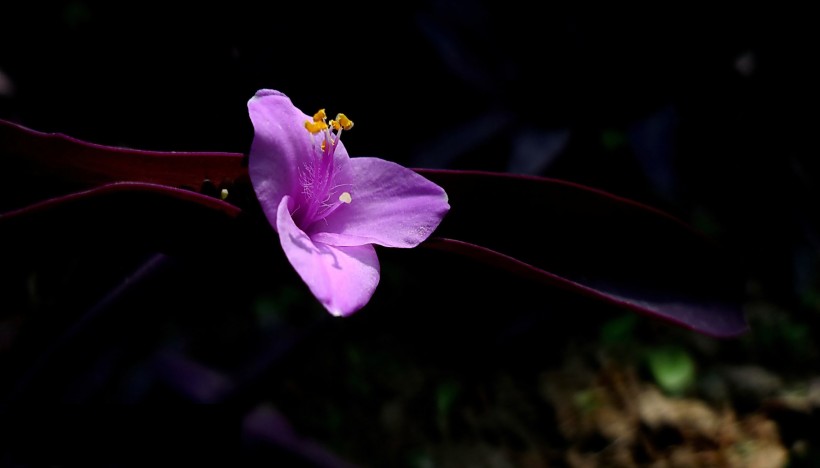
318 176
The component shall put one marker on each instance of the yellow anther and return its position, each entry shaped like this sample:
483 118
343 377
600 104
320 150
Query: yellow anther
320 122
315 127
223 194
343 121
345 197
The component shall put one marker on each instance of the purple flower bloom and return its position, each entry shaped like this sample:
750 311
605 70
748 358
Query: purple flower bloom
329 209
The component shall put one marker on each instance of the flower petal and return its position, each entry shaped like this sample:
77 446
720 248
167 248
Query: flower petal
390 205
342 278
281 148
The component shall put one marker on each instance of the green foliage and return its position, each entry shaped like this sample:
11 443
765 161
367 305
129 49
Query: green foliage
619 331
446 394
613 139
672 368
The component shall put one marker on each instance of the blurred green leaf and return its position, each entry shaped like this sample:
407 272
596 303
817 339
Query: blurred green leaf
446 394
613 139
619 331
672 368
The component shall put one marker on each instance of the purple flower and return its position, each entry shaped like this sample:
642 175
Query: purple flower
329 209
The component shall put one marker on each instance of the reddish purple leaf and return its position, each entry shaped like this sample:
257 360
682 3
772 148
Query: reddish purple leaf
132 214
78 164
567 235
594 243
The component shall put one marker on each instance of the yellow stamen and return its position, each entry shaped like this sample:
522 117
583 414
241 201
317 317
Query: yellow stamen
320 123
345 197
223 194
341 122
344 122
315 127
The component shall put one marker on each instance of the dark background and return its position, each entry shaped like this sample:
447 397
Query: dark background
710 115
704 113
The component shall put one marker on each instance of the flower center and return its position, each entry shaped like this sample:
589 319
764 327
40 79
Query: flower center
319 187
